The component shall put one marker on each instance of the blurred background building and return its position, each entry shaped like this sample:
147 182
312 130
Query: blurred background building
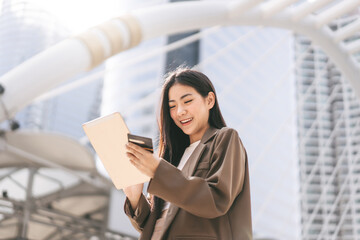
295 113
328 126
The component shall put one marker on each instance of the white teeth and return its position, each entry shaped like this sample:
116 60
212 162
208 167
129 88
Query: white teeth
187 120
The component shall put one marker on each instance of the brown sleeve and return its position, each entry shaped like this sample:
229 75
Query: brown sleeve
208 197
139 217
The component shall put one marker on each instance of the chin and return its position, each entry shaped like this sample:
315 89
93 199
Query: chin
186 131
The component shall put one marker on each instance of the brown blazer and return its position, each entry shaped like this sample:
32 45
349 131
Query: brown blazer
209 198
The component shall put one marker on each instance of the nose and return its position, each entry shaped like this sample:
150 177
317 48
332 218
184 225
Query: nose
181 111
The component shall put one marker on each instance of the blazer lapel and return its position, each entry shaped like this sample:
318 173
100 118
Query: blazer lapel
194 158
188 170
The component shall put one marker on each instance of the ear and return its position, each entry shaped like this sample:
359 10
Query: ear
210 100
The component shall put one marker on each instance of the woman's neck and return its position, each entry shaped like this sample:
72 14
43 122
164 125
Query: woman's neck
197 136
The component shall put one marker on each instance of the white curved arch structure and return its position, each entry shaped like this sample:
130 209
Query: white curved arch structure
72 56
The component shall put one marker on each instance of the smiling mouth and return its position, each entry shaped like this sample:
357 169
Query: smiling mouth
186 121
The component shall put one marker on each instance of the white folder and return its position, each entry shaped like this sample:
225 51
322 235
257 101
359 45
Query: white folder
108 136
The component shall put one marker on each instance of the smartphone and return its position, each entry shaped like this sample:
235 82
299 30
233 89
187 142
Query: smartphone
143 142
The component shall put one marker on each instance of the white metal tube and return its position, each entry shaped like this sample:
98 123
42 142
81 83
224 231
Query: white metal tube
27 203
64 60
338 164
273 7
320 37
347 31
353 47
342 218
331 137
237 8
336 169
41 73
97 75
72 56
336 11
307 8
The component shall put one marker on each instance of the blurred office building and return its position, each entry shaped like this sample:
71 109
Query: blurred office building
328 137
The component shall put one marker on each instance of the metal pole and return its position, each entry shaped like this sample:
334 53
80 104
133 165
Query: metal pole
23 230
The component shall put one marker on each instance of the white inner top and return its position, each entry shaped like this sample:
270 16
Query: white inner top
185 157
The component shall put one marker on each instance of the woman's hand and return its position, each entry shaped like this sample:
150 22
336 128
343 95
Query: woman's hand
142 159
133 193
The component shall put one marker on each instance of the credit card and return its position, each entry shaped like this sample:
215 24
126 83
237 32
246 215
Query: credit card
143 142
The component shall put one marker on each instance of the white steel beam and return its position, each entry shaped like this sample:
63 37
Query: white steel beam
72 56
35 76
336 169
320 37
342 218
353 47
137 59
336 11
24 225
328 141
273 7
78 54
307 8
239 7
347 31
321 155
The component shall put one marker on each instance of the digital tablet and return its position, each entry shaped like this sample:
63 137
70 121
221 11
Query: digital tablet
108 136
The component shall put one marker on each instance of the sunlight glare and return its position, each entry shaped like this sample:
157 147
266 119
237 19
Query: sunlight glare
80 15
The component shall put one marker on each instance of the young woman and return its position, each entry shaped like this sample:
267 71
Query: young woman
200 184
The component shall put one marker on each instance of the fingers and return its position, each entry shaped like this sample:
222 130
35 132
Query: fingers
142 159
134 150
139 166
133 154
135 147
136 161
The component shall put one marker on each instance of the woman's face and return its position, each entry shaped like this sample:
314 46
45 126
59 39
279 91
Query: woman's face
189 110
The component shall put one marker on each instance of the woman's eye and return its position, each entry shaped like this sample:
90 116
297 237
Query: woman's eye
188 101
171 107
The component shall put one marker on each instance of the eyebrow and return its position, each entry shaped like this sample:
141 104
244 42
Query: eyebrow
183 96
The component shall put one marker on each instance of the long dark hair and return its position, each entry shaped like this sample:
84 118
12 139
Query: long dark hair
172 140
